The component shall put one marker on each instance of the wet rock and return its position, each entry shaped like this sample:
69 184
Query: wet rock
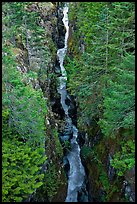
128 191
129 185
81 138
96 138
72 111
57 108
83 194
66 165
61 31
64 138
68 132
130 177
68 101
58 35
111 170
101 195
57 68
57 71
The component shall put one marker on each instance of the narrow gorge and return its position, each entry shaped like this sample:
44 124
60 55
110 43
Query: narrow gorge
76 172
68 102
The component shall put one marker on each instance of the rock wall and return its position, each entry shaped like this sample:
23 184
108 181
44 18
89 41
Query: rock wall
38 56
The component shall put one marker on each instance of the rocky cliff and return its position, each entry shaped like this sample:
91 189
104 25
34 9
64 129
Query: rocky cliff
35 48
34 42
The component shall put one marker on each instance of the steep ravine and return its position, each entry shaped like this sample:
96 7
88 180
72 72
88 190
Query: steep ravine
78 166
76 173
42 60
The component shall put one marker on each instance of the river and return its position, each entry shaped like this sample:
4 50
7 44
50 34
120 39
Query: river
76 174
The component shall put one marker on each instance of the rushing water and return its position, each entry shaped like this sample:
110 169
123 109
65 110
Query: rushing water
76 174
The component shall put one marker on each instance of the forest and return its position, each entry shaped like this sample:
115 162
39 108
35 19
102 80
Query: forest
100 95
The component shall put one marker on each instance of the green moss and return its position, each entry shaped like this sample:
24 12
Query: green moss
58 146
53 181
96 158
86 152
67 145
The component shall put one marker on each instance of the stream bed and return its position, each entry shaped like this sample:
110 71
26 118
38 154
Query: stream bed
76 174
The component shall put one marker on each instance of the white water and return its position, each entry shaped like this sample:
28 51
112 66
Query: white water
61 54
76 174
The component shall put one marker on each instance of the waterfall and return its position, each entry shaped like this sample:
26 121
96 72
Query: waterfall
76 174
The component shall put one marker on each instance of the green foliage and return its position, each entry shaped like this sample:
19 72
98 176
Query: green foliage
27 106
58 146
6 131
100 71
52 180
107 58
124 160
32 74
67 145
20 19
119 102
104 180
24 110
23 115
103 177
86 152
21 170
31 106
101 74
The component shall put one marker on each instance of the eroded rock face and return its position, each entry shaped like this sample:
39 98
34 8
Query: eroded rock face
59 31
41 54
98 164
129 185
110 169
